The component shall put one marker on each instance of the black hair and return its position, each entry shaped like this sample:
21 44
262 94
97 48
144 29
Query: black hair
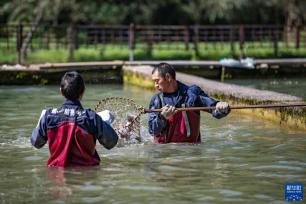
72 85
163 69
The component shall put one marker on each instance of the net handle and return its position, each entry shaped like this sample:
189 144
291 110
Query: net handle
232 107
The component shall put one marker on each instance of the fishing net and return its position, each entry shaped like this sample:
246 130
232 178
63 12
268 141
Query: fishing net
127 114
127 122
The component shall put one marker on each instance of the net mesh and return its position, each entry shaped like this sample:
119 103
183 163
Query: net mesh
127 114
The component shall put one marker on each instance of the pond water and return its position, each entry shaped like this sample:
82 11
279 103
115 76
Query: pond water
242 159
295 86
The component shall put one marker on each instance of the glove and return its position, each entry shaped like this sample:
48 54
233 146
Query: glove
43 112
168 111
107 116
223 107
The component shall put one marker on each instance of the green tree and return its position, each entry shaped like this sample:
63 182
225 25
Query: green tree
34 12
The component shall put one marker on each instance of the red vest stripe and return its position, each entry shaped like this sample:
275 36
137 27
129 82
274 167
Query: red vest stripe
175 130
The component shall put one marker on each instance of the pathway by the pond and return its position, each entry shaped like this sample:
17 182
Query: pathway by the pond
258 63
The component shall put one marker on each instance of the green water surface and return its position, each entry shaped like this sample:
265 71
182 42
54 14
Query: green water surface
292 86
242 159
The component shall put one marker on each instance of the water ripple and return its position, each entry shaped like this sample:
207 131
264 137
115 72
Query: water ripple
279 167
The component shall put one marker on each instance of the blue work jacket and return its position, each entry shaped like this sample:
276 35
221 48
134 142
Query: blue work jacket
190 96
71 132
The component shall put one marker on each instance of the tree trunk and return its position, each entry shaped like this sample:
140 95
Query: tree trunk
71 43
26 41
287 30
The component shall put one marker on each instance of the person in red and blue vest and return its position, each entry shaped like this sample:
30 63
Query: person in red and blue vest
72 131
178 126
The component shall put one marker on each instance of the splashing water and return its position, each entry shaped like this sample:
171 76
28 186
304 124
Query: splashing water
127 121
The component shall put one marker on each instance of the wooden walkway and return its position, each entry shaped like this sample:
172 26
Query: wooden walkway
214 63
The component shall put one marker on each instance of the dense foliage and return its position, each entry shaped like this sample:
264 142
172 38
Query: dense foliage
175 12
51 13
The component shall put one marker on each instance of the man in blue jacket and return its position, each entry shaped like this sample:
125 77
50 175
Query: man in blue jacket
178 126
71 130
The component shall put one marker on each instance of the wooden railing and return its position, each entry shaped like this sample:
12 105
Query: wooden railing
193 36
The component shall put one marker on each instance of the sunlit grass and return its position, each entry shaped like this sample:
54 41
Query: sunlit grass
157 51
44 56
8 56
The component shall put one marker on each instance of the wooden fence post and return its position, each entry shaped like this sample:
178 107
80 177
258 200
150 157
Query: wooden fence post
131 42
232 45
261 37
287 33
275 43
149 39
76 37
297 37
186 37
70 39
241 41
196 39
19 41
7 37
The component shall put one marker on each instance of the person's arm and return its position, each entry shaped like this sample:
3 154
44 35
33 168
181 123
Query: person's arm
39 134
197 97
106 135
156 121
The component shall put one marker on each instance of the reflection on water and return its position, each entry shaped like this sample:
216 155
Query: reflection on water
291 86
242 159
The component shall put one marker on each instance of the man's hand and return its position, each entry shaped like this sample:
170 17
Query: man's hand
168 111
223 107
